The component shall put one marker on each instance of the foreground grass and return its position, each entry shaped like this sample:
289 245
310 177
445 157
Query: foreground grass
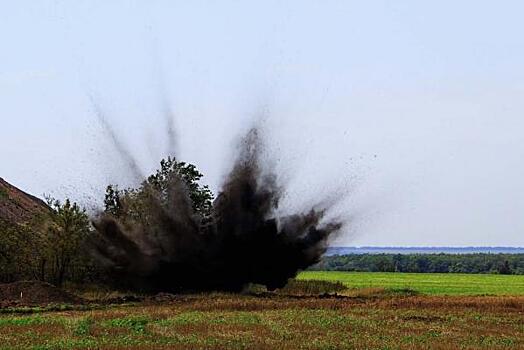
225 321
426 283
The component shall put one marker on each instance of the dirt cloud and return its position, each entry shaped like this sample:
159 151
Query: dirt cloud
244 241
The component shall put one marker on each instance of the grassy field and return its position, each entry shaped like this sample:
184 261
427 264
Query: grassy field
301 316
426 283
226 321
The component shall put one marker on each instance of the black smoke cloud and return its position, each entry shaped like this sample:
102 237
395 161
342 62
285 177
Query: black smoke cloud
244 242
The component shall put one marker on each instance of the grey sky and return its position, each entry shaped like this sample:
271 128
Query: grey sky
414 108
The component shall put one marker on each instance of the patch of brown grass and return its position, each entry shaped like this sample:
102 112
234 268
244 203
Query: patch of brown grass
374 319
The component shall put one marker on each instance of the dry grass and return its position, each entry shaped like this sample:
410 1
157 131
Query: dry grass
376 320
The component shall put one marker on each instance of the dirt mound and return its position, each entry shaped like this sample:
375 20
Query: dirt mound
16 206
27 293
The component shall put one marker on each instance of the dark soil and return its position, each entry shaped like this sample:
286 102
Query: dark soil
31 293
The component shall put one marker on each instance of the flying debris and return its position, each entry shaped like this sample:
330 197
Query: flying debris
239 240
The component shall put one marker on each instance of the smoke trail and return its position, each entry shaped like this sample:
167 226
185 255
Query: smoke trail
119 146
163 95
243 242
170 128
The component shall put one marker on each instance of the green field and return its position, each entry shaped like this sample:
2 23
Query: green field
426 283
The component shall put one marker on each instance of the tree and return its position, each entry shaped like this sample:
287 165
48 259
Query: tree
129 203
63 233
112 202
504 268
50 247
15 252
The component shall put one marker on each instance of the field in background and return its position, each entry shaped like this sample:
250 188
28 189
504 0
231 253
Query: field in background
232 321
426 283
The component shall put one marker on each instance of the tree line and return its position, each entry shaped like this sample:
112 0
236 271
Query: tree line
431 263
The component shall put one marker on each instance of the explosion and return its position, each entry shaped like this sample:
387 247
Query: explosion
238 240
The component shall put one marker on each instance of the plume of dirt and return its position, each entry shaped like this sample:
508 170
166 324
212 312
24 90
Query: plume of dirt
118 145
244 242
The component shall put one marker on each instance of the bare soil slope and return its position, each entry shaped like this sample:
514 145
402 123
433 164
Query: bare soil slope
16 206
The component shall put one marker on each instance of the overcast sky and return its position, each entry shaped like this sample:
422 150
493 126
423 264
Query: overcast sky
414 109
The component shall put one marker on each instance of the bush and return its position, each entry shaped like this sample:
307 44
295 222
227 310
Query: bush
311 287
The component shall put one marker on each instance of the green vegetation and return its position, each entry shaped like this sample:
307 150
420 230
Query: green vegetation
129 204
426 283
457 263
226 321
49 248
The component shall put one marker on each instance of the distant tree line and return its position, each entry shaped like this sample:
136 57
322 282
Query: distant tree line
439 263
